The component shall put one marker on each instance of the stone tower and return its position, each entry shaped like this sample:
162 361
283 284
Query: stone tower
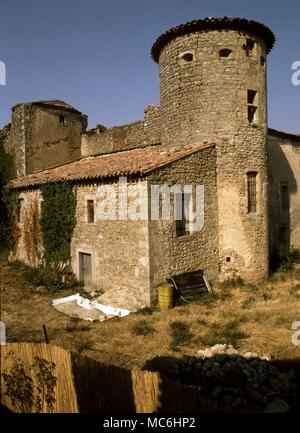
213 88
44 134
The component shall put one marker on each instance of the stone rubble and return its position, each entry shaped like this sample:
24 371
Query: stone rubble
243 382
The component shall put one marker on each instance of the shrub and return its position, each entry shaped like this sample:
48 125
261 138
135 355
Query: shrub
180 334
223 333
27 394
142 328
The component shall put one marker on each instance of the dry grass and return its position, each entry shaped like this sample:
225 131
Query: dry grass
253 318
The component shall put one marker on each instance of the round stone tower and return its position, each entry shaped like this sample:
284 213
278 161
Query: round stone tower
213 88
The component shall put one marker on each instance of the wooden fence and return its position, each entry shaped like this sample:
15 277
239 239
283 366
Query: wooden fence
84 385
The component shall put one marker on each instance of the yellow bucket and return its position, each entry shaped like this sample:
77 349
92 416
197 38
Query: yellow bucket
165 297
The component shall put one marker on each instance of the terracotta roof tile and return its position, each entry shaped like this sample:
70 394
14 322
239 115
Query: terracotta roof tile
131 162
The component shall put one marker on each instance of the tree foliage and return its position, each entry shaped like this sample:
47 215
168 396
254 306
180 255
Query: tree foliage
57 221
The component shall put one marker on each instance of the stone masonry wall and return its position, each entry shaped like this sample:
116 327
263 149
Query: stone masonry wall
284 168
50 142
136 134
172 255
119 249
206 99
29 247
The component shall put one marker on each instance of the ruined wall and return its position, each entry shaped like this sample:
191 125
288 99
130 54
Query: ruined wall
39 137
136 134
205 98
28 234
51 142
119 249
284 169
172 255
16 135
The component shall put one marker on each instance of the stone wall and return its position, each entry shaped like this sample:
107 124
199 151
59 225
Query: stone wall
205 98
29 247
51 142
172 255
119 249
16 134
284 169
136 134
43 136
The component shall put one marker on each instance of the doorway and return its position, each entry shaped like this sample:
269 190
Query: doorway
85 268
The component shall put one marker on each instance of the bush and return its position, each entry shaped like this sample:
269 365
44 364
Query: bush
180 334
142 328
223 333
53 278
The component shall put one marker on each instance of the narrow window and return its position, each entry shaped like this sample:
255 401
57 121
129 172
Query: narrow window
285 198
251 186
62 119
262 61
182 213
250 47
187 57
225 52
90 211
19 210
252 106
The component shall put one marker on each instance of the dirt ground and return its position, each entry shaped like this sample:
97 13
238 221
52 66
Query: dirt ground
257 319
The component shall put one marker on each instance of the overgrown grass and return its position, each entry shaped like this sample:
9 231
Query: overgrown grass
147 311
295 290
76 326
180 334
223 333
142 328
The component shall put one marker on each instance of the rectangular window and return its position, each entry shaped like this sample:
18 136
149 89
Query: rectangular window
252 106
90 211
182 213
19 210
251 186
62 119
285 197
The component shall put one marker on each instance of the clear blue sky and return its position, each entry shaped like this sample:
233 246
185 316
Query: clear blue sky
94 54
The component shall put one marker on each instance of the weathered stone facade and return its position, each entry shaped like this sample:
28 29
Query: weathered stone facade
44 134
212 90
284 176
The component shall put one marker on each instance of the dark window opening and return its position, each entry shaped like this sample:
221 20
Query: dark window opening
225 52
62 119
251 186
19 210
250 44
252 105
227 259
187 57
90 211
262 61
182 213
251 113
251 96
285 198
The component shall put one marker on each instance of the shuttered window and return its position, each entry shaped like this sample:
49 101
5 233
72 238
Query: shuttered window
251 185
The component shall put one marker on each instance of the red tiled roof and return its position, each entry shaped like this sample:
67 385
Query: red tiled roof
131 162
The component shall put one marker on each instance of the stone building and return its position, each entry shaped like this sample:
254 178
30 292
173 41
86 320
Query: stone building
209 132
